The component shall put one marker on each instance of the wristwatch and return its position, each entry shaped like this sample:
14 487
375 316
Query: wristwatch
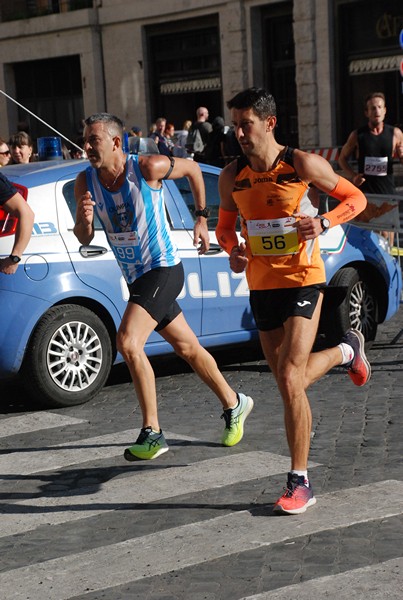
14 258
203 213
324 222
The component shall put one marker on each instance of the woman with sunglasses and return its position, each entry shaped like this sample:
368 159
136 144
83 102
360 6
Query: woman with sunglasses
4 153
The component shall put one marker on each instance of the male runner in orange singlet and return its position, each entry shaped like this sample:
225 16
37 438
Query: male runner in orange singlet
268 187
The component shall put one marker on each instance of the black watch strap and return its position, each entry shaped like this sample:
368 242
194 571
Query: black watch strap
203 213
14 258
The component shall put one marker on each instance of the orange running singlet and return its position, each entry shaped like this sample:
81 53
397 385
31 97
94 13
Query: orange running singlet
266 203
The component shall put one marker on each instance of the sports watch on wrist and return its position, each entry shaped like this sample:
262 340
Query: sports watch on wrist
14 258
325 223
205 212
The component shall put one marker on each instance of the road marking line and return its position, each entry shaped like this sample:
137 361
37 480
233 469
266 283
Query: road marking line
123 493
51 458
35 422
383 580
192 544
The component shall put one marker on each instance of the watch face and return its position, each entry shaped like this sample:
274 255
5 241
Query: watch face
15 259
325 223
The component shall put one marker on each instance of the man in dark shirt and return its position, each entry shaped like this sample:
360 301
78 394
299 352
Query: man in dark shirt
374 145
205 129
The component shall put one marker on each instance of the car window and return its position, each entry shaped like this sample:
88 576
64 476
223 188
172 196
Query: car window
212 197
68 193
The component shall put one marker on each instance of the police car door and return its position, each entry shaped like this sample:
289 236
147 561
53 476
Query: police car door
224 295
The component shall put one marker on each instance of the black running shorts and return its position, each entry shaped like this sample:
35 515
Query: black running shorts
271 308
156 291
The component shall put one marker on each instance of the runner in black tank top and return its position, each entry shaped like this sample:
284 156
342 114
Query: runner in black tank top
381 147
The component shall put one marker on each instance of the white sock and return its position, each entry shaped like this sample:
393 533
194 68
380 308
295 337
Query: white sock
347 353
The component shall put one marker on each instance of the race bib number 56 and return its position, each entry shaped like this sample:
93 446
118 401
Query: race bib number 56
275 237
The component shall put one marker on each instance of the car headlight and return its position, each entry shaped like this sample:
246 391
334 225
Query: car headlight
384 244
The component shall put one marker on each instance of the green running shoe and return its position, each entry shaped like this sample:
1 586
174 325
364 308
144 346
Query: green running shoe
234 420
149 444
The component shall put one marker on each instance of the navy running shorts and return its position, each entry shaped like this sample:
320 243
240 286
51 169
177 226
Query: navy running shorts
156 291
271 308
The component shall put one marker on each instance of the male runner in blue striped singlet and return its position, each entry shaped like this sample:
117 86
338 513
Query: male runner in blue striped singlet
126 193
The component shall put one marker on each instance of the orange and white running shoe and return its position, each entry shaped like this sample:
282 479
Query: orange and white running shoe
297 496
359 368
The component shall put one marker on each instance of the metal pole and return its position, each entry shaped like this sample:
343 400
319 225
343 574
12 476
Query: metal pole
41 120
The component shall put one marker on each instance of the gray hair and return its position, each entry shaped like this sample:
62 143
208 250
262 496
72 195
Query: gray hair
114 125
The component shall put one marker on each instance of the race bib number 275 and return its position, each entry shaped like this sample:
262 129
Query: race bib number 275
376 165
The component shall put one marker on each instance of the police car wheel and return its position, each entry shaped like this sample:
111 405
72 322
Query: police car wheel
359 310
69 357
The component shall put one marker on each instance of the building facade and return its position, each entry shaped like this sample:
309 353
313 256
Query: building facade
65 59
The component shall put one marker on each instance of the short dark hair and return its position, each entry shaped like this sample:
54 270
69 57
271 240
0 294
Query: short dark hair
113 123
259 100
375 95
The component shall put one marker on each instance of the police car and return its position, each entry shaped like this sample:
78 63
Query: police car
60 312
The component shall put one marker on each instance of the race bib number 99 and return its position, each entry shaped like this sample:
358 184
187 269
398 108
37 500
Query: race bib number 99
125 246
376 165
275 237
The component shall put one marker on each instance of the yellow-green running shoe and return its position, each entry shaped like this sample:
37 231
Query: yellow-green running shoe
149 445
234 420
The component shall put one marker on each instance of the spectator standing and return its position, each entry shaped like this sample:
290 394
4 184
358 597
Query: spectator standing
136 131
159 136
232 149
182 134
21 148
169 135
5 155
181 137
204 127
75 152
214 151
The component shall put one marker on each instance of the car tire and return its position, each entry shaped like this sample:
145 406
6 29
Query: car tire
359 309
69 357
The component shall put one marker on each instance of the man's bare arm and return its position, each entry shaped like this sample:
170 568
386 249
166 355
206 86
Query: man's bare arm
84 226
349 149
17 207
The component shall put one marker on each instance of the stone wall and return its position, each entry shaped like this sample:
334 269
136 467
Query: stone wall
111 43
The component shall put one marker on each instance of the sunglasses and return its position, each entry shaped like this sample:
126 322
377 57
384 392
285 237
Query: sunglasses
6 153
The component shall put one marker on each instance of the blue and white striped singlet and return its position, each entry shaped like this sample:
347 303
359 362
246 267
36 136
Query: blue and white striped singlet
135 222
